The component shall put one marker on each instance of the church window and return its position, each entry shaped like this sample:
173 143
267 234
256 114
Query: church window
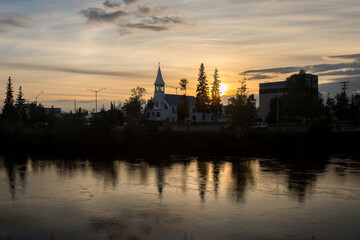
173 110
157 114
165 106
156 104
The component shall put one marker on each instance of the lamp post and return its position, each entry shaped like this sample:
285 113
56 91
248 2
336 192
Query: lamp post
37 97
96 91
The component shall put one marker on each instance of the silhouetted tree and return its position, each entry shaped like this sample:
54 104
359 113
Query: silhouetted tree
329 108
183 107
183 84
19 103
9 109
242 108
216 106
355 108
300 101
342 107
133 106
202 93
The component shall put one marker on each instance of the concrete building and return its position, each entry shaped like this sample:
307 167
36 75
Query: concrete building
166 105
268 91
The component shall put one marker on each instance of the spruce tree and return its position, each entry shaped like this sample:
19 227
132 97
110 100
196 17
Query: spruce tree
19 103
202 93
8 109
215 95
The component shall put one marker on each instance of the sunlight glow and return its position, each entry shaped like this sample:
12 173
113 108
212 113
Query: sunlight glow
223 89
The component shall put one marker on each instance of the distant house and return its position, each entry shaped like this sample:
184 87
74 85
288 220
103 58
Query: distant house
166 105
56 111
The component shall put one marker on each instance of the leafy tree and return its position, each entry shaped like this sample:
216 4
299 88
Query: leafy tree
8 109
329 108
133 106
242 109
183 84
202 93
216 106
183 107
19 103
342 106
355 108
300 101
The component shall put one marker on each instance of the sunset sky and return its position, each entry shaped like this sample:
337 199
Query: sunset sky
64 47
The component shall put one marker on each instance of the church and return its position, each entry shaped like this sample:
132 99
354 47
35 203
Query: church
166 105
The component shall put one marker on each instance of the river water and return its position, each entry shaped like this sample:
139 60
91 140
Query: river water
179 198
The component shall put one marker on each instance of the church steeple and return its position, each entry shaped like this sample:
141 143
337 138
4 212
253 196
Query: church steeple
159 82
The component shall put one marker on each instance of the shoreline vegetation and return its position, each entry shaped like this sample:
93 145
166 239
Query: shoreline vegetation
154 141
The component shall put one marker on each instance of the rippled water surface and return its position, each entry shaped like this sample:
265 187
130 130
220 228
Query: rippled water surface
179 198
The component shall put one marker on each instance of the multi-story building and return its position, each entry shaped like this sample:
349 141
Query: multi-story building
268 91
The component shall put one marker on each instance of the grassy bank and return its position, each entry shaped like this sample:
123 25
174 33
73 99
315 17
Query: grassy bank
86 140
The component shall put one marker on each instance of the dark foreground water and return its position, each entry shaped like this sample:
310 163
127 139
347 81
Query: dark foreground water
182 198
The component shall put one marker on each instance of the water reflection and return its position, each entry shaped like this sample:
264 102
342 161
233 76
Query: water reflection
140 199
241 177
15 167
300 176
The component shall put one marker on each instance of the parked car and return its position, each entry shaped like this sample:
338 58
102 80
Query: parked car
260 126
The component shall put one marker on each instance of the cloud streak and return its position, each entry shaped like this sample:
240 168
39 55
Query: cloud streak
69 70
15 20
134 17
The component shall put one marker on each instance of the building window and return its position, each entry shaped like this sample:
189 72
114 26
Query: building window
152 114
156 104
194 110
173 110
165 106
194 118
157 114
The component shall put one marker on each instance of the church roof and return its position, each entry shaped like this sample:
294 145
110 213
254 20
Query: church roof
159 79
172 99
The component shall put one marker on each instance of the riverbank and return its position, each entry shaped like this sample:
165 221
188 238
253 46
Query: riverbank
153 141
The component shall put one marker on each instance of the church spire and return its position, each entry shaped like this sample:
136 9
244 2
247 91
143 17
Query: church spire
159 79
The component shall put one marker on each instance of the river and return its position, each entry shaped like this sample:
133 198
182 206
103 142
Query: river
179 198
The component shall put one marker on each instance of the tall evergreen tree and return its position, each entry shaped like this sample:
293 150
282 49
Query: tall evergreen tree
216 105
8 109
19 103
202 93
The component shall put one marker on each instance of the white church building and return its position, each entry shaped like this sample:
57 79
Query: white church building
166 105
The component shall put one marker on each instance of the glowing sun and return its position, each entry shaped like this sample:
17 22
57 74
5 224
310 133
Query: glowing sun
223 89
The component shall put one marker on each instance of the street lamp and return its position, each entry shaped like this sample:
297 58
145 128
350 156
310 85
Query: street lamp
96 91
37 97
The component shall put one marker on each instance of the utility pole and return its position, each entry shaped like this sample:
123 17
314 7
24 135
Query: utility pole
344 86
96 91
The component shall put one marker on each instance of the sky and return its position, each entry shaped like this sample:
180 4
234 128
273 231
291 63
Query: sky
65 47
